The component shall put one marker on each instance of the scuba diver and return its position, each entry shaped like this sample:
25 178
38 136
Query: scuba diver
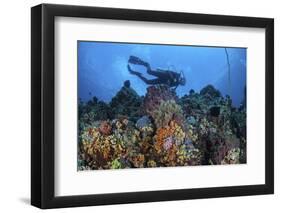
166 77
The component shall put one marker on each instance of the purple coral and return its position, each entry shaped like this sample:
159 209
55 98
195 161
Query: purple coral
168 143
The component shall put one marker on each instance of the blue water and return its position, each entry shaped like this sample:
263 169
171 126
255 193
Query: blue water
102 68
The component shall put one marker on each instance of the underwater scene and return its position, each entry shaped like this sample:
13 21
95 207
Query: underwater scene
160 105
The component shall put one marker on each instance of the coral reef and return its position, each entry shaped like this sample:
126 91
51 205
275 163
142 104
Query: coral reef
210 91
160 130
155 95
93 111
105 128
165 112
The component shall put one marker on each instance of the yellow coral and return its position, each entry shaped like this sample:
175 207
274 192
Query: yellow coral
167 111
151 163
181 155
191 134
178 133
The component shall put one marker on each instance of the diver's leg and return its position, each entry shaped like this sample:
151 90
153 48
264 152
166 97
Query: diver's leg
147 81
155 81
158 74
138 61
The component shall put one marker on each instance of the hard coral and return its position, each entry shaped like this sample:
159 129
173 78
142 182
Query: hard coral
166 112
155 95
105 128
98 149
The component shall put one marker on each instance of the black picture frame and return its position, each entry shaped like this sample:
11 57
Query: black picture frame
43 117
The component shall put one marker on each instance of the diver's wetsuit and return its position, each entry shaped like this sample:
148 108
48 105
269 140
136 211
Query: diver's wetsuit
166 77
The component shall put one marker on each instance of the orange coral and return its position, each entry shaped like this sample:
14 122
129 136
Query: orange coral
162 134
172 156
167 142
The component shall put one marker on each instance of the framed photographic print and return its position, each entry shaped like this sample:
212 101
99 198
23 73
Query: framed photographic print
139 106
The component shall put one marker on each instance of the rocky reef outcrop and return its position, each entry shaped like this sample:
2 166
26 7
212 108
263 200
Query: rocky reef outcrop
126 103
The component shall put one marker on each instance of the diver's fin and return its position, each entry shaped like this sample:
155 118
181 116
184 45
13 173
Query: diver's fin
137 60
